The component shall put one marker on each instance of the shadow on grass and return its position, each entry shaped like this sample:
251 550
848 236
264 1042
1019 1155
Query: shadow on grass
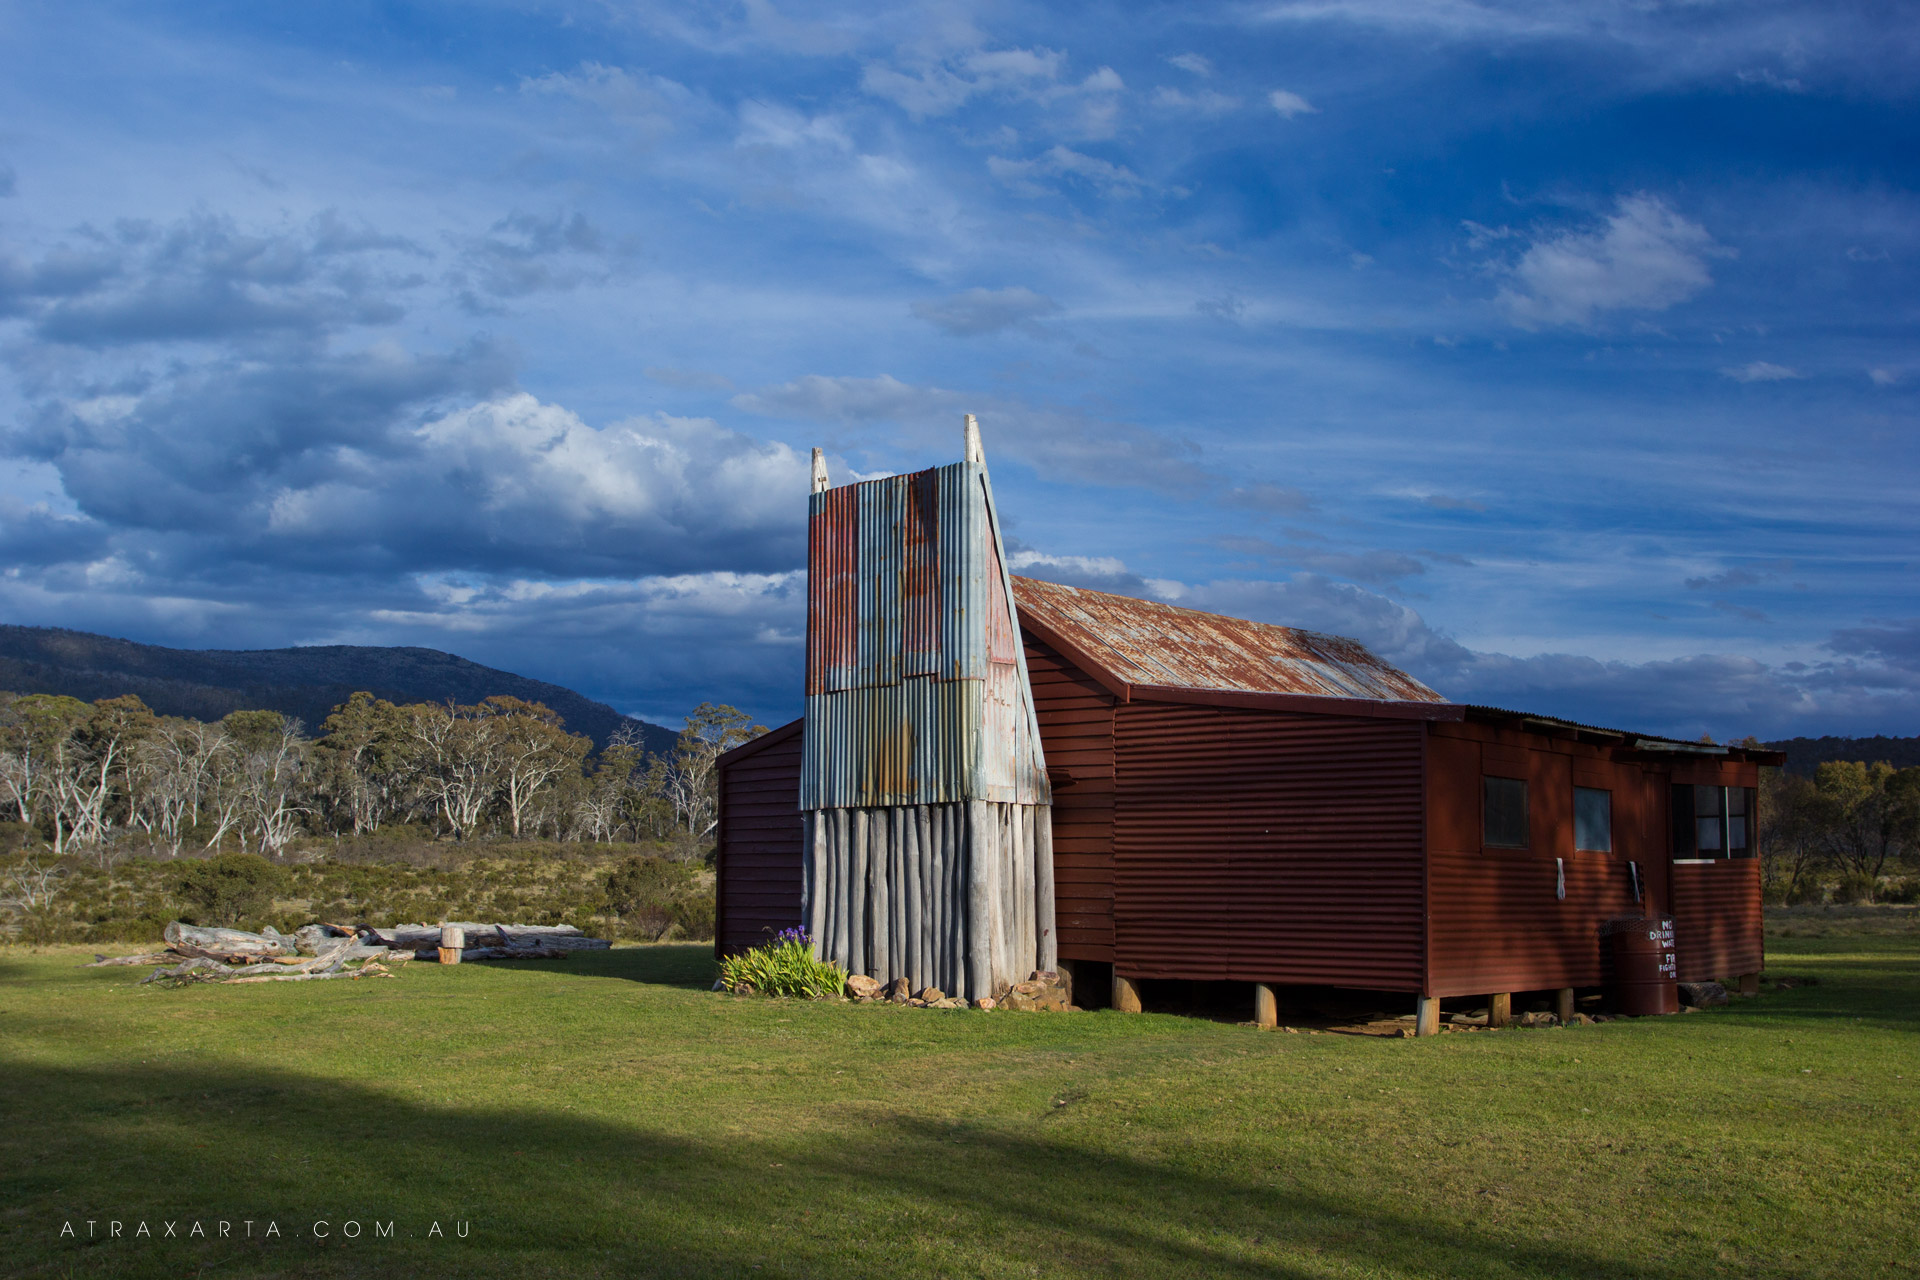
547 1193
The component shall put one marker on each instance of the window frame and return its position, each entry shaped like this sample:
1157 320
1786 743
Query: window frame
1486 812
1685 802
1607 792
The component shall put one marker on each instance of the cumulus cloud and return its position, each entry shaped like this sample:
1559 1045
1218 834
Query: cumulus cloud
1193 62
1645 257
1290 104
1761 371
206 278
1027 177
981 311
362 459
526 253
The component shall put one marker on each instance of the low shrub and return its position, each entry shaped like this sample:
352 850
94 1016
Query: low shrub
1903 891
648 894
230 888
784 967
1854 888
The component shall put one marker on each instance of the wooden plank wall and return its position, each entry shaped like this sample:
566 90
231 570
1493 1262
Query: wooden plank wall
1076 728
759 866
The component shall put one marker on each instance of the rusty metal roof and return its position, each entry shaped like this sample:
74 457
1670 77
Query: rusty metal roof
1143 642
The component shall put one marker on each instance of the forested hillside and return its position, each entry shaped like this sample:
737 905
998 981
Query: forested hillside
1803 754
305 683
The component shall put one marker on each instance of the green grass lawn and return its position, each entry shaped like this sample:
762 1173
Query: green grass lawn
608 1115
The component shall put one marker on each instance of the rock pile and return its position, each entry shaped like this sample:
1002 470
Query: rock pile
1044 989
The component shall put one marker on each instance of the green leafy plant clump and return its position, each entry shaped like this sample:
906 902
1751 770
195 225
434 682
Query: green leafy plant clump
784 967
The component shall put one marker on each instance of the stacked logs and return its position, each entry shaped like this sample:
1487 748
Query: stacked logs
317 951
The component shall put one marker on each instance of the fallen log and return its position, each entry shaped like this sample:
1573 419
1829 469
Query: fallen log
151 957
232 945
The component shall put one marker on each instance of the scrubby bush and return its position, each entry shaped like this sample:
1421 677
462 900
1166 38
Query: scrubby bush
230 888
784 967
647 893
1903 891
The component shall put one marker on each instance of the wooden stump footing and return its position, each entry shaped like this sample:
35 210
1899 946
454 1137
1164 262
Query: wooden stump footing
1500 1009
1426 1016
1563 1005
450 955
1266 1007
1126 995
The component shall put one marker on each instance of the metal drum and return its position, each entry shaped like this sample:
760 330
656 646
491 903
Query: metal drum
1645 972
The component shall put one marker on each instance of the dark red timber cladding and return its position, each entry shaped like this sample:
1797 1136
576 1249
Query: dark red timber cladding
757 884
1497 922
1717 925
1267 846
1076 728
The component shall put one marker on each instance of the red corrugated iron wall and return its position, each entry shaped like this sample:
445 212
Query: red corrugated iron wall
1076 726
1268 846
757 884
1718 931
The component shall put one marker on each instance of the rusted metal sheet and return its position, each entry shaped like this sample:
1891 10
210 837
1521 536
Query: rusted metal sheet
1718 927
757 873
1144 642
916 686
1266 846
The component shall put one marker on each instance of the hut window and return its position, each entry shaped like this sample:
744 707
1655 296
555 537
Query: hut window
1713 822
1504 812
1593 819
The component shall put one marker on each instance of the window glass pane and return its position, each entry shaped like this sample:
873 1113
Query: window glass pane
1504 812
1737 833
1707 836
1707 800
1593 819
1736 799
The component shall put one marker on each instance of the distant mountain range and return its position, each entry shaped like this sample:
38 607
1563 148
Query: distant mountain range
305 682
1804 753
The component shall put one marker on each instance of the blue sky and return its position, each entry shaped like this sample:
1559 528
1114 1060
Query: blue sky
1565 353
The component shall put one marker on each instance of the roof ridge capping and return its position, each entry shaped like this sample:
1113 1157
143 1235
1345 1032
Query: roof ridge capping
1129 643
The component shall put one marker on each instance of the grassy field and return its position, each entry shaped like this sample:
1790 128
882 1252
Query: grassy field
608 1115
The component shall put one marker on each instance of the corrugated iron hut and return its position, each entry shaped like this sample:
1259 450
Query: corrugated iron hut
922 791
1244 802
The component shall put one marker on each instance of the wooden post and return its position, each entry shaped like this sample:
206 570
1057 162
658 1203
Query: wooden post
1126 996
452 940
1426 1016
1500 1009
1266 1009
1749 984
1563 1004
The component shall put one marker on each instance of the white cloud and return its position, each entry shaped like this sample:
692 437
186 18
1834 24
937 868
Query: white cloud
646 105
1192 62
1290 104
1022 176
1206 102
1883 377
1646 258
981 311
1761 371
